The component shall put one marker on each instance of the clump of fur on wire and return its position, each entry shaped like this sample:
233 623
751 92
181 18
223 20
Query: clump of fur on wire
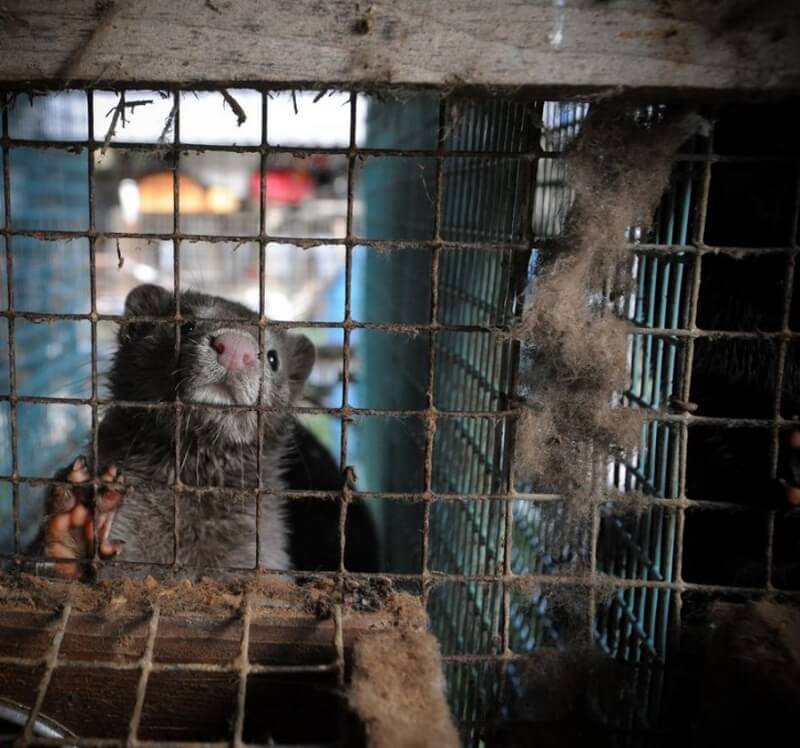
574 343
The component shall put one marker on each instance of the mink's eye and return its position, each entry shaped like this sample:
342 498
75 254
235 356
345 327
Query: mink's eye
187 328
272 357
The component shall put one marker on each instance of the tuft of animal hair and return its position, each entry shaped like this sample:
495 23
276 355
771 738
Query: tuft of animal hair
398 690
574 340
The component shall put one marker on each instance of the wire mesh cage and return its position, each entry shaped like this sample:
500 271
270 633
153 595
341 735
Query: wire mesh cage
427 217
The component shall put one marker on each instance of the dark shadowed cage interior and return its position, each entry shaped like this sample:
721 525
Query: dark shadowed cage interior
400 233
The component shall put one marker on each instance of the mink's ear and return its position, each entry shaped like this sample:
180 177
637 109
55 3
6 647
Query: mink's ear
149 300
146 300
301 361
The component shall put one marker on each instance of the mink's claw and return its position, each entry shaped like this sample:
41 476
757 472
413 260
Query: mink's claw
78 516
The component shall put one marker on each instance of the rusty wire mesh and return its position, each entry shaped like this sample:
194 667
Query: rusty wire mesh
230 679
492 190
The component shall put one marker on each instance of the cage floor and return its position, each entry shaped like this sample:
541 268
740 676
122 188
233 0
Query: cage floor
185 669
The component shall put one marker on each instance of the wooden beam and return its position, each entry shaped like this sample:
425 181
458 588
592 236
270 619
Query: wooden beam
698 45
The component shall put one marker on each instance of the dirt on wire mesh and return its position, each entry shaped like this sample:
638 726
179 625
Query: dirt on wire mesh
397 690
574 341
273 594
397 685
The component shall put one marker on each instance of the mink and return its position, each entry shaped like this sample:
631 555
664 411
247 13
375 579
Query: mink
201 518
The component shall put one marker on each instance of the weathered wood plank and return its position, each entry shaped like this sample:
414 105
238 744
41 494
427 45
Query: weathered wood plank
178 705
580 44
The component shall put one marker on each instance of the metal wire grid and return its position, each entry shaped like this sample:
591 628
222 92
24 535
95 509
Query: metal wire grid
67 292
242 667
641 624
95 401
636 624
477 370
480 668
11 232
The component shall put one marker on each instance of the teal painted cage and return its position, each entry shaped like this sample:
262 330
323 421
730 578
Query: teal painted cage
506 191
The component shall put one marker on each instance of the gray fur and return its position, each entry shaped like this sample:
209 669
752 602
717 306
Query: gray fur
217 448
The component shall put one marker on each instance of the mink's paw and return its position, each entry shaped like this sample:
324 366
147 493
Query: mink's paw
75 511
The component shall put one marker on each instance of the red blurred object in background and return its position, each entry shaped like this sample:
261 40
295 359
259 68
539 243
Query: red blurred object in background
284 186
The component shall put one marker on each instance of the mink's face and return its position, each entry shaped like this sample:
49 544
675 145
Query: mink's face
219 362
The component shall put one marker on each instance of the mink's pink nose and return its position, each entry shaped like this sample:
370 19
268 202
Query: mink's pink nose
234 350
